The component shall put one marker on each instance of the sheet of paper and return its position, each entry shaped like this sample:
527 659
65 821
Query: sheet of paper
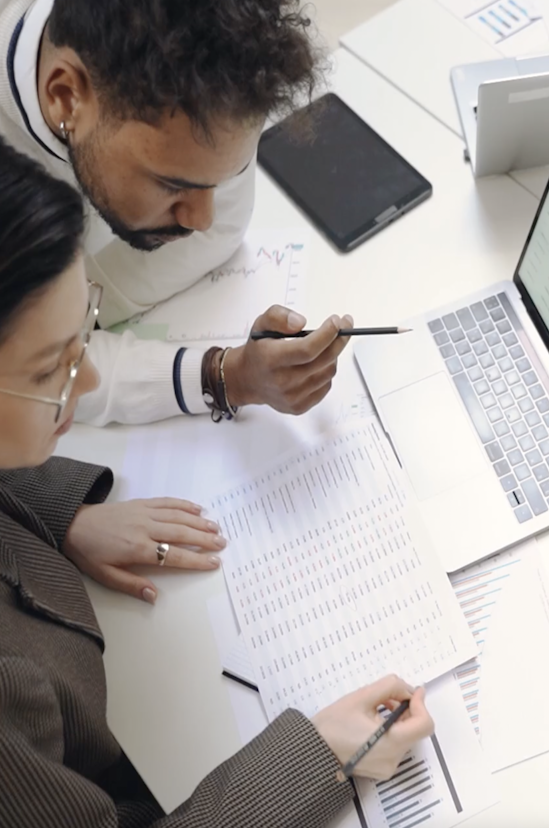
441 785
269 268
515 27
332 577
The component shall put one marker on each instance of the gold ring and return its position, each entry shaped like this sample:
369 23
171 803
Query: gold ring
162 553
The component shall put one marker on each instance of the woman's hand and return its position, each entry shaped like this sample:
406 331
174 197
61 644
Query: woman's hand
348 723
105 540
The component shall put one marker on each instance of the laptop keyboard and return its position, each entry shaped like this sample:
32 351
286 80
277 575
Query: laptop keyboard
503 395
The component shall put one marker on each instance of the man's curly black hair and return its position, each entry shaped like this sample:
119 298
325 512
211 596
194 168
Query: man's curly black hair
236 59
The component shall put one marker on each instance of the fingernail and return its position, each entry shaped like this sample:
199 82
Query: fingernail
337 321
213 527
296 320
220 542
214 560
349 322
149 595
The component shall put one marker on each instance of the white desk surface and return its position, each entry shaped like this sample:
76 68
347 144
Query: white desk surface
414 44
167 703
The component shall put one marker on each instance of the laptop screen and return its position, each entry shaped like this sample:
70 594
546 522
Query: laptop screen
533 268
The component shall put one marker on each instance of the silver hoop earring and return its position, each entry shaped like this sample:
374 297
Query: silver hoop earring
64 133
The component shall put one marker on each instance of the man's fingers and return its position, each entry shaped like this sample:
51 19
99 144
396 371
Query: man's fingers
419 724
306 350
278 318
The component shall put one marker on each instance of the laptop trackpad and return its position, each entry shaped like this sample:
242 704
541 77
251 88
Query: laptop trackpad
432 435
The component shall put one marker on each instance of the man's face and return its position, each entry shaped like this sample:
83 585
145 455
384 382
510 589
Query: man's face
156 184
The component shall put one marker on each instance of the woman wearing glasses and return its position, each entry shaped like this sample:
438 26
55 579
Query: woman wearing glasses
60 767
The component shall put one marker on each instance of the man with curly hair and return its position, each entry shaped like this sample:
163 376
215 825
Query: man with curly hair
155 108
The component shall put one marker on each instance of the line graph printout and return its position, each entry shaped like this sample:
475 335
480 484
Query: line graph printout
331 575
269 268
514 26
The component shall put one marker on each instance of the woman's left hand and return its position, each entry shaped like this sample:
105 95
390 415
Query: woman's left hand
104 540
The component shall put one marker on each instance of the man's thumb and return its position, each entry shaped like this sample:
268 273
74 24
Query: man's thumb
278 318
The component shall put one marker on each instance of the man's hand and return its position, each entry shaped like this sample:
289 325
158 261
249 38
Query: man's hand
105 540
348 723
291 375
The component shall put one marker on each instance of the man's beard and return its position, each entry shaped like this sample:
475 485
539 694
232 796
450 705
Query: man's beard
83 163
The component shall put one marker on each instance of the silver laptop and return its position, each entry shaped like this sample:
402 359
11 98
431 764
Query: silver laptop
503 106
464 399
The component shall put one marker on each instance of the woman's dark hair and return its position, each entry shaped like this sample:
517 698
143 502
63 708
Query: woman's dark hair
41 226
242 59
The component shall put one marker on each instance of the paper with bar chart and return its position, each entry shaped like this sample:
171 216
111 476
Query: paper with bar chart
505 603
514 27
331 575
269 268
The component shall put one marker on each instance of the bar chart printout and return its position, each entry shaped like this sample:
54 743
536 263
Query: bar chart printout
331 576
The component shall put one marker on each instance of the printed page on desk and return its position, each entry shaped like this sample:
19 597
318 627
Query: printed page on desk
515 27
269 268
331 575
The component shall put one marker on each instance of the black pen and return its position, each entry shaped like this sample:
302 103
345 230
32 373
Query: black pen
393 717
342 332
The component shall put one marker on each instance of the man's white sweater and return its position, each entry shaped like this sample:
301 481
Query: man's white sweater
137 383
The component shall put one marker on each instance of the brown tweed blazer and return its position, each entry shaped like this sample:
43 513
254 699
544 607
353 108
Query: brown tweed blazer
60 767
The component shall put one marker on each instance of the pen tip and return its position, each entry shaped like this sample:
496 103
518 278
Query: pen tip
405 330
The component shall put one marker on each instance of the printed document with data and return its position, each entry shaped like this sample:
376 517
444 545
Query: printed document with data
332 576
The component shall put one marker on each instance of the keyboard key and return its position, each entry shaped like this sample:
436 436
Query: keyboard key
515 457
546 419
487 360
505 365
533 457
450 321
544 486
469 360
510 340
522 472
529 378
442 338
506 401
527 442
479 311
494 414
488 400
515 498
534 497
513 415
542 405
435 325
491 302
463 348
525 404
480 348
544 447
501 468
493 374
474 335
486 326
541 472
512 377
508 443
516 352
508 482
494 452
536 391
499 351
475 374
504 328
493 339
532 418
539 433
447 350
466 318
454 365
523 365
497 314
457 335
519 428
499 387
474 408
481 387
518 391
500 428
523 513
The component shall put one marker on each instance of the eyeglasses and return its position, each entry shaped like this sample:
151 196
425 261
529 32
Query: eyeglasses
96 291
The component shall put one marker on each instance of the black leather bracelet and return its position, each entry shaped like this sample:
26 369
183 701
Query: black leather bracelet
214 390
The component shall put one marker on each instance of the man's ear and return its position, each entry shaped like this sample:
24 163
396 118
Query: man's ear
67 91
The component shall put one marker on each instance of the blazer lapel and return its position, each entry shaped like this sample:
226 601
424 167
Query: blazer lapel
46 580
